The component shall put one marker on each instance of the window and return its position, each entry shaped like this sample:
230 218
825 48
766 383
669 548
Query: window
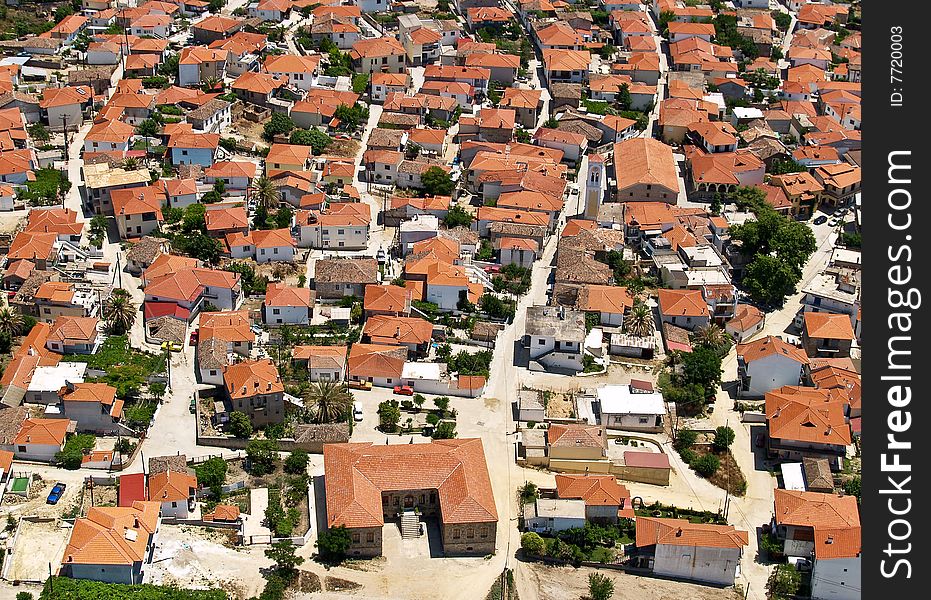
483 532
423 499
356 538
370 537
21 448
643 420
457 533
470 533
396 501
276 311
174 505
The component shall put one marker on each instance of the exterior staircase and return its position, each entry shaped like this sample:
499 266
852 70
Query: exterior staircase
410 525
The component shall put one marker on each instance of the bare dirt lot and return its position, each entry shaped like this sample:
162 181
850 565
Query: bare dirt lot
542 582
198 557
38 543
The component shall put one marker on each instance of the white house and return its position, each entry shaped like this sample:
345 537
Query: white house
94 407
40 439
554 336
275 245
175 490
344 226
548 515
695 551
286 305
768 364
632 409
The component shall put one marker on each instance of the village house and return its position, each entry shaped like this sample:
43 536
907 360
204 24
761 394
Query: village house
680 549
39 439
807 422
112 544
176 492
344 226
827 335
74 335
254 388
138 211
631 407
324 363
287 305
824 529
554 336
378 55
684 308
339 277
768 364
381 365
58 298
94 407
413 333
605 499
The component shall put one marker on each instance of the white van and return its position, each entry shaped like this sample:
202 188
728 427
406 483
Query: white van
357 410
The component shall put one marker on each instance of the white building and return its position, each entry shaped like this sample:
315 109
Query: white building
633 410
768 364
693 551
547 515
554 336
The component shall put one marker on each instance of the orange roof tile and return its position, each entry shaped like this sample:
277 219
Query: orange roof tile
48 432
103 537
278 294
681 532
595 490
828 326
768 346
684 303
252 377
834 520
389 330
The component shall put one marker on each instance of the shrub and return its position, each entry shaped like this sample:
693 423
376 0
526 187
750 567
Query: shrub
600 587
212 473
723 438
433 419
262 455
685 439
707 465
688 455
532 544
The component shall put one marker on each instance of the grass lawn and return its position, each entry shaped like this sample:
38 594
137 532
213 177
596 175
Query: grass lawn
114 352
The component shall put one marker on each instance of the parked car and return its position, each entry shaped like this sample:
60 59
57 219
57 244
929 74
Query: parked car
404 390
834 222
357 411
57 492
194 336
361 385
193 406
493 269
820 219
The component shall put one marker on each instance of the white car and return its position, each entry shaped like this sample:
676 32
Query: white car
357 411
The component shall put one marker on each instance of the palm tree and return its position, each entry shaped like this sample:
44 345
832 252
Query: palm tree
328 402
210 84
131 163
265 193
11 322
710 336
119 312
640 320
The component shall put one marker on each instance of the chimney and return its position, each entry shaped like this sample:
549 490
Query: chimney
136 523
679 532
397 333
830 429
830 540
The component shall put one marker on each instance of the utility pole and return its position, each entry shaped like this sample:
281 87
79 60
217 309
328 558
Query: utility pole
64 130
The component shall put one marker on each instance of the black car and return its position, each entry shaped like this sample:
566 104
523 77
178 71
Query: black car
821 219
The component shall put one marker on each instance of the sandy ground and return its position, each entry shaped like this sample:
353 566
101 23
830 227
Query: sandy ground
37 545
196 557
566 583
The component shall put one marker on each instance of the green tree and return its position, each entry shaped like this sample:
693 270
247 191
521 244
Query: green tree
262 455
11 321
551 123
194 219
711 336
360 83
437 182
119 312
853 487
296 463
528 493
702 366
457 217
624 99
723 438
707 465
389 415
286 561
212 473
317 140
334 543
283 216
784 582
446 430
169 66
600 586
769 280
328 402
350 117
278 124
39 133
199 246
783 20
148 128
23 596
240 426
260 218
532 544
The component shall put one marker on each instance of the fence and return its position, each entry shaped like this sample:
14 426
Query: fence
196 460
226 489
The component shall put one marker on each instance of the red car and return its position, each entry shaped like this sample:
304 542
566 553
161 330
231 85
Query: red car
194 335
493 269
404 390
